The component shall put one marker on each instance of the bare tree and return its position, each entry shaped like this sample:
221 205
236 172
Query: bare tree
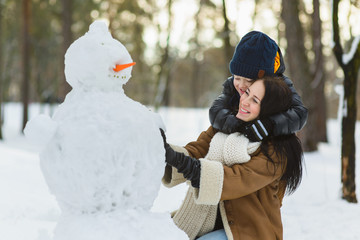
318 73
162 95
226 32
197 49
299 69
1 75
350 68
67 40
25 59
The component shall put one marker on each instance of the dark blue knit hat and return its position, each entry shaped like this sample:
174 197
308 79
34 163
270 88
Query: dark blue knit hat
254 56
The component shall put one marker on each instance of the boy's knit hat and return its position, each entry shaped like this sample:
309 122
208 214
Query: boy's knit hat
254 56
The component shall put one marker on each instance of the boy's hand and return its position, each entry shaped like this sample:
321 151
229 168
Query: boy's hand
231 125
258 130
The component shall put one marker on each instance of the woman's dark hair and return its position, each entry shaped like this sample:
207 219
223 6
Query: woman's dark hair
277 98
287 148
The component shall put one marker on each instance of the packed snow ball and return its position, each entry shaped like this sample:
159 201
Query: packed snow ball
90 60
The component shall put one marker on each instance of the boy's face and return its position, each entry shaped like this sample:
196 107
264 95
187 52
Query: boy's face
250 101
241 84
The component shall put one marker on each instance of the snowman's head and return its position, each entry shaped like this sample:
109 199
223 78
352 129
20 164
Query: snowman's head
97 61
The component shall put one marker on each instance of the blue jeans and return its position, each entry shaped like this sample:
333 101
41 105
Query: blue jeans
215 235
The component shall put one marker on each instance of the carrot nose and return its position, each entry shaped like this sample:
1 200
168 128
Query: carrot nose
119 67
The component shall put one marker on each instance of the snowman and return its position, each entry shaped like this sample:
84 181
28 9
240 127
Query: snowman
102 154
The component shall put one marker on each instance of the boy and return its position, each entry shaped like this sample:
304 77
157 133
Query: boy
256 56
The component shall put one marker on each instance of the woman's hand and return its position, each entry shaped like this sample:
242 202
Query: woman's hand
188 166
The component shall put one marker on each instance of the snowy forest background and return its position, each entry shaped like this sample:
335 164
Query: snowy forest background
182 52
182 49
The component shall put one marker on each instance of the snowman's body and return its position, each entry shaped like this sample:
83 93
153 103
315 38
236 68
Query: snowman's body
105 157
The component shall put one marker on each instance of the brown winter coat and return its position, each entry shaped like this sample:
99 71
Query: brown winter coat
251 195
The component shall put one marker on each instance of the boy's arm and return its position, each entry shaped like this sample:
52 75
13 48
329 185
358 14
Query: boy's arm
293 119
221 112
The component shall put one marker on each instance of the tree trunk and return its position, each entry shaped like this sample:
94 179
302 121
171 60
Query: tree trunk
195 86
299 70
351 69
195 79
318 70
1 76
162 95
25 59
348 139
65 88
227 46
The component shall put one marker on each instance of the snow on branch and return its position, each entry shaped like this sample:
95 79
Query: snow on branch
346 58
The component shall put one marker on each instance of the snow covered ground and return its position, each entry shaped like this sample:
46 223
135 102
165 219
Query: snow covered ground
315 211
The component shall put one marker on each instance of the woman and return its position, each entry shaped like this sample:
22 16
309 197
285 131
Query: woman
237 184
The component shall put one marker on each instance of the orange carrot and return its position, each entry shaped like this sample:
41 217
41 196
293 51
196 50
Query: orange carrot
119 67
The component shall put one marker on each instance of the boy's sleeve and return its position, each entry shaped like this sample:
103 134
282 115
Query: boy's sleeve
221 112
293 119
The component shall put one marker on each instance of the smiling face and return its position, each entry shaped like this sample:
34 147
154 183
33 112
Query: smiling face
242 83
250 102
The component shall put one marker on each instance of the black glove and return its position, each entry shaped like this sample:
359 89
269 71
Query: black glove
232 124
188 166
258 130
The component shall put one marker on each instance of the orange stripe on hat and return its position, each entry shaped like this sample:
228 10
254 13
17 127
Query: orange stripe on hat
277 62
119 67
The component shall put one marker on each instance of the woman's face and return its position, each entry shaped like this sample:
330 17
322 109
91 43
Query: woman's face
241 84
249 106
